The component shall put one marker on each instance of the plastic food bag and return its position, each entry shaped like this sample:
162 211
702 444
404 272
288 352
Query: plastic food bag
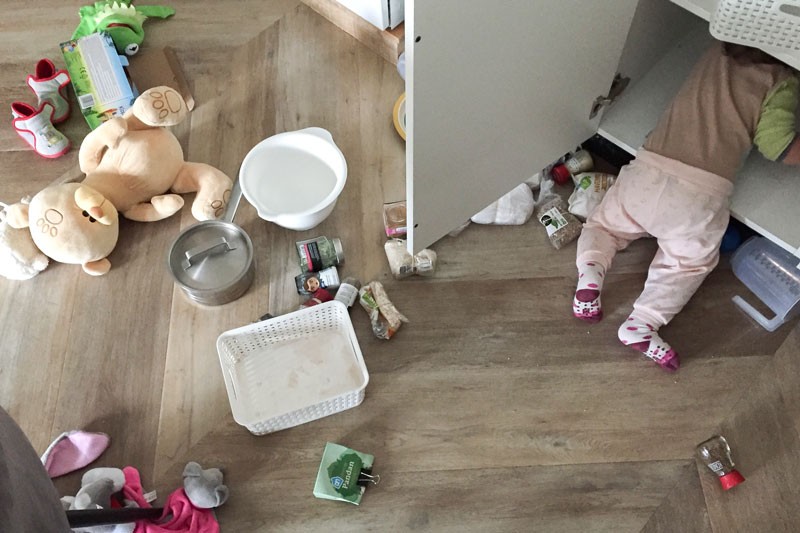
403 264
552 212
590 188
383 315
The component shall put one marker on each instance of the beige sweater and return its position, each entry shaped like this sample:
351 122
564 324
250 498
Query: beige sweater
711 122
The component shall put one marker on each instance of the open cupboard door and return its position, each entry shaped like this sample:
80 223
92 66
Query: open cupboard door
494 92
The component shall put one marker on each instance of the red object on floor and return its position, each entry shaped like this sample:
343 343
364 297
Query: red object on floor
561 174
180 516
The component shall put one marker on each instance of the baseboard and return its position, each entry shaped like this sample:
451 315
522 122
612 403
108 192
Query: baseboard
388 44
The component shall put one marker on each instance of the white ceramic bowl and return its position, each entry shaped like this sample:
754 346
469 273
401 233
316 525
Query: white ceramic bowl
294 178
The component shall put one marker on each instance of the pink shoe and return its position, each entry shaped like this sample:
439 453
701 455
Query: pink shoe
50 85
36 128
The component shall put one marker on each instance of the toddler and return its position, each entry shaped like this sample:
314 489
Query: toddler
678 187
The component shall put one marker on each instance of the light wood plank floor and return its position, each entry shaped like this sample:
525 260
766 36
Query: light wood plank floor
492 410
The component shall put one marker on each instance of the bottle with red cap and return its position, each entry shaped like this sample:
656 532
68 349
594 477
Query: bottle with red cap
715 453
580 161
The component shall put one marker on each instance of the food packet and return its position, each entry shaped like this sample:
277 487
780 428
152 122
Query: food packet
590 188
403 264
552 212
383 315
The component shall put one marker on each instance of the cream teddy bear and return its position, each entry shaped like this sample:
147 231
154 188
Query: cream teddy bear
70 223
137 163
19 257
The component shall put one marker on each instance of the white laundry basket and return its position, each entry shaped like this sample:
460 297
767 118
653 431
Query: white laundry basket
759 23
293 369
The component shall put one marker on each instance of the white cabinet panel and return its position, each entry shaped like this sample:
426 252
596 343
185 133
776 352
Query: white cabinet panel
495 91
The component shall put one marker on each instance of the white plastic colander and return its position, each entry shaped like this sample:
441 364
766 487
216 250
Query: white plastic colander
293 369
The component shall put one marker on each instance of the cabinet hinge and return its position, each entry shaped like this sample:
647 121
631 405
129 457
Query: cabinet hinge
617 86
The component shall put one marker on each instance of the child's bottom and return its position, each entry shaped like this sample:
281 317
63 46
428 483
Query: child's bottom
685 208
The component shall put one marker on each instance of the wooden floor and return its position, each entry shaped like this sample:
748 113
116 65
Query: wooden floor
491 410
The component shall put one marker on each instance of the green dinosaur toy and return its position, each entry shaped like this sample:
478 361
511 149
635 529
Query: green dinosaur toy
122 21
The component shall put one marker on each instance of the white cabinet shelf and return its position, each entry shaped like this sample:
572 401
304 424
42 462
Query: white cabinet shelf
766 194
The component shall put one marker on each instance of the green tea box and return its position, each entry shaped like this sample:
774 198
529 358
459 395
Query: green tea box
343 474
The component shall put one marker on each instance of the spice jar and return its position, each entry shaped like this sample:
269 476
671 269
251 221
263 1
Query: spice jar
317 297
580 161
307 283
319 253
348 291
715 453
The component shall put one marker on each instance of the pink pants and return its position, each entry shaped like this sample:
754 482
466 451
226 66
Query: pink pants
685 208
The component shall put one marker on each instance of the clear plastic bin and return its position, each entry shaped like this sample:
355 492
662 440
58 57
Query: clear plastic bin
773 275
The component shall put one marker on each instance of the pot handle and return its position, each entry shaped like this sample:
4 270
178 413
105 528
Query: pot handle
198 253
233 202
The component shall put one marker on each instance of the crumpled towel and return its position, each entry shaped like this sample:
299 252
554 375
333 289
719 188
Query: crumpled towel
513 209
180 516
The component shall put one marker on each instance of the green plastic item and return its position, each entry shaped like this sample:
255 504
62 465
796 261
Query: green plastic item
121 20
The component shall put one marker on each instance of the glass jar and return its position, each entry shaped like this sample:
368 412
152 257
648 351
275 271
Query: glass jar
319 253
715 453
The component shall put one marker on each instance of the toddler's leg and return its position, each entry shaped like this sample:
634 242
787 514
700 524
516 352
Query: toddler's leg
586 304
608 229
641 334
677 271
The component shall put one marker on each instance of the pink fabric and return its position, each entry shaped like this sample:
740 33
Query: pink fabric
684 207
180 516
72 451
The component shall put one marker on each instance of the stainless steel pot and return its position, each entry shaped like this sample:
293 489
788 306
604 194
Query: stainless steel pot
212 261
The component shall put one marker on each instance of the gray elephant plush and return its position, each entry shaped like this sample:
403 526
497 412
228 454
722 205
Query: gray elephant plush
204 487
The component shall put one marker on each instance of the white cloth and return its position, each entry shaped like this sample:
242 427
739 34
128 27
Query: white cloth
513 209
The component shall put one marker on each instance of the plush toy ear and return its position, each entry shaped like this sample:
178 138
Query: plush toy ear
18 216
96 205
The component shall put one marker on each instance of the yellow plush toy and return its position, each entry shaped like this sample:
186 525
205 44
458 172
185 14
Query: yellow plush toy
136 163
70 223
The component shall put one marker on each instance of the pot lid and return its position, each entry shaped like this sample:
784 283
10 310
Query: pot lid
210 256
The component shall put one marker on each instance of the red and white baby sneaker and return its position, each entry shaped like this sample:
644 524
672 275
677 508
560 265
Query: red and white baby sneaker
50 85
36 127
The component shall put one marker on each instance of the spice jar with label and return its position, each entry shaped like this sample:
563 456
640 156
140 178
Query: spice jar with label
307 283
319 253
580 161
348 291
715 453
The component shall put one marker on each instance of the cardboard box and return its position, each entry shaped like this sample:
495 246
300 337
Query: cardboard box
153 67
98 77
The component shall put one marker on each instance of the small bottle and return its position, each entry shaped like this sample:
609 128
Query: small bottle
307 283
319 296
319 253
580 161
348 291
425 262
715 453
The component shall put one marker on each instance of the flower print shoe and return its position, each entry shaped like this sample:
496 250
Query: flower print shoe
50 85
36 128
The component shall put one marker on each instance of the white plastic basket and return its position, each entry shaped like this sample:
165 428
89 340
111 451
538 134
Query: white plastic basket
759 23
293 369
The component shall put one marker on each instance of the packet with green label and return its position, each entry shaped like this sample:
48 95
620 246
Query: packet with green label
343 474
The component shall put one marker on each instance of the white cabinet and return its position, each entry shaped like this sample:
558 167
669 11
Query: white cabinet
381 13
496 93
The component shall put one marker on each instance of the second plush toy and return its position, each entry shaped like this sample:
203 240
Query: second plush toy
137 163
